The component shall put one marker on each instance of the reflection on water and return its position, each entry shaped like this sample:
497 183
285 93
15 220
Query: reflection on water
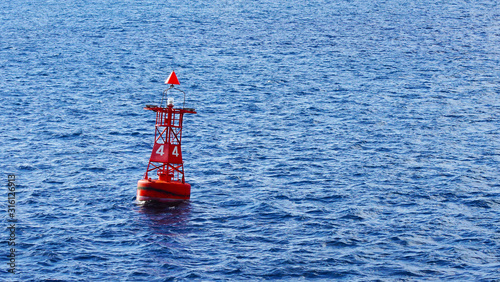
163 215
167 228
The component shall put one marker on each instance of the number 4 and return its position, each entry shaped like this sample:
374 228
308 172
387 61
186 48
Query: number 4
175 152
160 151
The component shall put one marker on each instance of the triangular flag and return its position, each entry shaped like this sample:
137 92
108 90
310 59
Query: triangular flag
172 79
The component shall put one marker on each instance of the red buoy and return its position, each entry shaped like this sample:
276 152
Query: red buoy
166 157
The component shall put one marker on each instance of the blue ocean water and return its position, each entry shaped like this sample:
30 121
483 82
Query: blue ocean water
335 140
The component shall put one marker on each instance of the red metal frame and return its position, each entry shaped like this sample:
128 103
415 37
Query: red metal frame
166 156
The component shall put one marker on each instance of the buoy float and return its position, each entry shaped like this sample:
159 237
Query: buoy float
166 157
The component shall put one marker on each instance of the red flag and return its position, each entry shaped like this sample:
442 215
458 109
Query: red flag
172 79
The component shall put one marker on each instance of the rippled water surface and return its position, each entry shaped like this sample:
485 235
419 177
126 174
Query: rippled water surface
349 140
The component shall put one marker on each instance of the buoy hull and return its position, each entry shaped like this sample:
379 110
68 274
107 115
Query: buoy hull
162 191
